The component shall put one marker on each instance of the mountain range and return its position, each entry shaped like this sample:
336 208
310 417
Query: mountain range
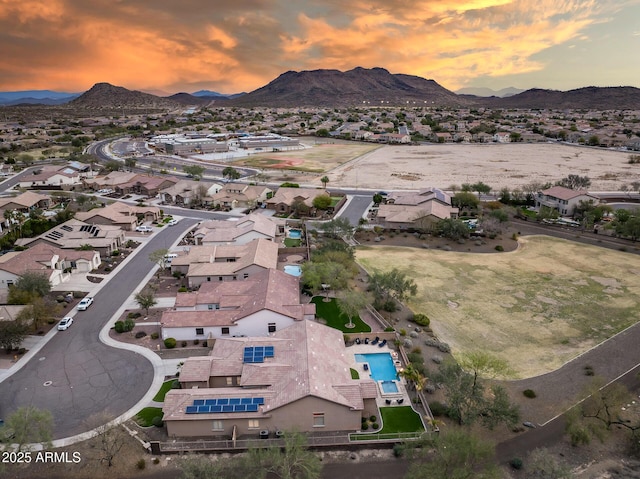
333 88
477 91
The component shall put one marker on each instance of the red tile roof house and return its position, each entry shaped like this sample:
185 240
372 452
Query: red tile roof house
220 232
148 186
25 202
226 263
266 302
305 386
562 199
187 192
48 260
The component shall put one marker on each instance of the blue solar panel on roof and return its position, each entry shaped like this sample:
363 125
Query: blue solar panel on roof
216 408
192 409
203 409
222 402
211 402
198 402
258 349
245 401
258 400
227 408
239 408
268 351
252 407
234 401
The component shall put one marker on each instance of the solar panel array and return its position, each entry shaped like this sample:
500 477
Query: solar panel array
256 354
207 406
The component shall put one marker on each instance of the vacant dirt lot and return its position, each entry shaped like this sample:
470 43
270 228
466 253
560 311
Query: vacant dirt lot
498 165
536 307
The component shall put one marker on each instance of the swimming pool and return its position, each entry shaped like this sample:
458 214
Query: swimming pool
295 234
293 269
380 364
389 387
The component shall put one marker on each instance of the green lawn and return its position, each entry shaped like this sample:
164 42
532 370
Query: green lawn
354 374
166 386
145 417
330 313
396 421
335 200
292 242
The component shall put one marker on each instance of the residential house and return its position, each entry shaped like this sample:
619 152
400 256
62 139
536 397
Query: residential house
285 198
145 185
564 200
238 232
226 263
25 202
239 195
264 303
298 379
189 192
56 264
420 210
119 214
74 234
53 176
109 181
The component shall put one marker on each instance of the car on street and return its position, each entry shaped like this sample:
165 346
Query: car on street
144 229
65 323
85 303
173 222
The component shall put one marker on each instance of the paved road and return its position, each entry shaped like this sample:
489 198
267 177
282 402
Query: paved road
356 209
88 377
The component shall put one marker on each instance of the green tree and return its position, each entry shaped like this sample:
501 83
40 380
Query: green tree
455 455
34 283
378 198
323 276
112 165
324 180
575 182
470 400
593 140
130 163
37 311
159 257
231 173
322 132
465 199
452 228
350 303
337 228
631 227
322 202
293 461
300 208
196 171
146 299
12 333
391 285
31 426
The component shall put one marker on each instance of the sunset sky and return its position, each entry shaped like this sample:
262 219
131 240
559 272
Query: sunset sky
231 46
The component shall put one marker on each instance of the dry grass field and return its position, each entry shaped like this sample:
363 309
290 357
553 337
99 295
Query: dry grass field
536 307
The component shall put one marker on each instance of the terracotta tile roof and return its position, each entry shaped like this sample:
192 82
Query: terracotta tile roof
395 213
218 231
40 258
260 252
26 199
563 193
289 195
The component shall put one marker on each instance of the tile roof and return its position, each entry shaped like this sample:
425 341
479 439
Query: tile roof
219 231
563 193
214 260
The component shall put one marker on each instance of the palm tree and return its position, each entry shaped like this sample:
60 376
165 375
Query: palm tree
325 180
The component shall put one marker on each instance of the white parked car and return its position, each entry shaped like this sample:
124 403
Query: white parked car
144 229
85 303
65 323
173 222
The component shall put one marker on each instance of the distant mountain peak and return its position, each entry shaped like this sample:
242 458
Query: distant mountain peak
105 95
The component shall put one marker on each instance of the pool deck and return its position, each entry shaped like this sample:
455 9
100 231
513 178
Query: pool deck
381 400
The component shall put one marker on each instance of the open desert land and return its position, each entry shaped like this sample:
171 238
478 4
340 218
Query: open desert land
512 165
318 156
536 307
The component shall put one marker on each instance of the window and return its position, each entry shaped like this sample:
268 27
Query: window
272 327
225 330
217 426
235 277
254 423
199 330
246 275
318 419
229 380
208 278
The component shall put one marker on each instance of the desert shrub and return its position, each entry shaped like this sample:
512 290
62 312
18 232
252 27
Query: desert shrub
141 464
204 344
516 463
183 344
170 343
499 247
398 450
196 342
129 324
415 358
176 274
140 334
421 320
182 289
436 359
79 294
175 384
430 388
431 342
389 329
119 327
115 252
60 298
530 393
437 408
364 426
403 332
157 421
156 460
155 335
363 420
51 321
444 347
